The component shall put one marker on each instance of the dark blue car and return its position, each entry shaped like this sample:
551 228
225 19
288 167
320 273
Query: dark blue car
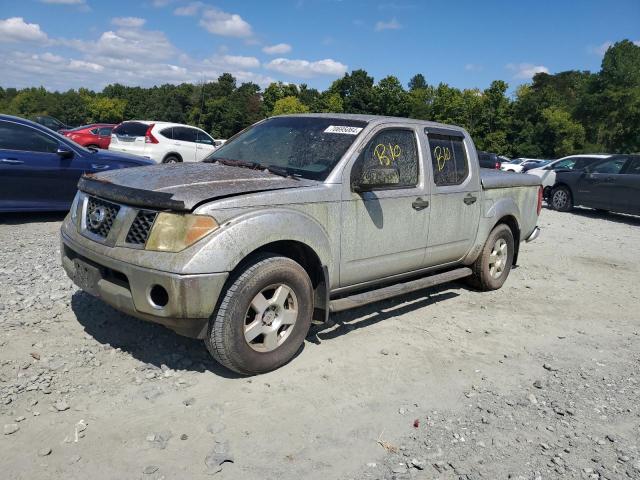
39 168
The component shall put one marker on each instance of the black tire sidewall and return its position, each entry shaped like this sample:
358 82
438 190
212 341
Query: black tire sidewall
501 231
171 159
274 270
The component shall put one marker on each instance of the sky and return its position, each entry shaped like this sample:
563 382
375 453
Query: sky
64 44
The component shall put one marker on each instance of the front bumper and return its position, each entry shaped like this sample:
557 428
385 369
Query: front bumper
190 299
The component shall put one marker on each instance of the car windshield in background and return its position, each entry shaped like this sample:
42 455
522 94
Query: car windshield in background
309 147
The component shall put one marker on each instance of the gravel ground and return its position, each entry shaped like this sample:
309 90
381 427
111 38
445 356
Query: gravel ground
538 380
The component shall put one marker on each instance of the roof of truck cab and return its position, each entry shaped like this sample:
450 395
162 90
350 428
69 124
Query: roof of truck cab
376 119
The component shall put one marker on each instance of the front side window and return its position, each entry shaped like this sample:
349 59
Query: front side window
23 138
306 146
105 131
389 160
634 166
204 138
449 159
567 164
613 166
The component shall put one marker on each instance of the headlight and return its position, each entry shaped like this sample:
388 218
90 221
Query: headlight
74 208
172 232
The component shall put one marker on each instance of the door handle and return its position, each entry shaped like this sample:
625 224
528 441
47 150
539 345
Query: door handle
11 161
470 199
99 166
420 204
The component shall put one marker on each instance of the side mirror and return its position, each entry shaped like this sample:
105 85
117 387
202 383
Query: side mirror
376 177
64 152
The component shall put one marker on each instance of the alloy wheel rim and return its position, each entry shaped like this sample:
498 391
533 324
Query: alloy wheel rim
560 198
271 318
498 258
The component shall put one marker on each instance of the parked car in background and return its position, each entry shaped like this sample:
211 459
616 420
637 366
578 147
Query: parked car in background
531 164
612 184
39 168
547 173
51 122
162 142
518 164
96 135
491 160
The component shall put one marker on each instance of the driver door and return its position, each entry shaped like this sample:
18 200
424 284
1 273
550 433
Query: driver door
384 223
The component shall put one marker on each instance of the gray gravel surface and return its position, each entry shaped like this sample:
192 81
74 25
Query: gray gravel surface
540 379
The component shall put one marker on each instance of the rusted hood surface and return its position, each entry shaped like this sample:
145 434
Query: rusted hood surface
182 186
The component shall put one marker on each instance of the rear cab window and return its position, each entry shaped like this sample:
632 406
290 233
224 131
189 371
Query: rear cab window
448 157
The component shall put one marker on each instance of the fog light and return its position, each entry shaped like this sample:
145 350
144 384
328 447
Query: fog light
159 296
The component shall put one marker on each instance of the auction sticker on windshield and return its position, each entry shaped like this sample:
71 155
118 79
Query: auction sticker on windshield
343 129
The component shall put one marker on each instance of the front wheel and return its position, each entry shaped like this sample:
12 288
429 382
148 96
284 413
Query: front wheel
561 199
263 316
492 267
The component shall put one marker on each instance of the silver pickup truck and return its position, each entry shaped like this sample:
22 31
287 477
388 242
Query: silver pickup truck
292 219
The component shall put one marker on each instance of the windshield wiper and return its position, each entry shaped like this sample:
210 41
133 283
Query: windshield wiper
281 171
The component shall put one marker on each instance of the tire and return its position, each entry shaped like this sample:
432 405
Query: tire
248 333
561 199
93 146
171 159
499 247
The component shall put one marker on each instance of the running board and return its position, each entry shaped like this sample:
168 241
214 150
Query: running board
396 289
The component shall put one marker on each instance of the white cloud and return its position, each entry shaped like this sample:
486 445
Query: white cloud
392 24
226 24
306 69
278 49
15 29
82 66
600 50
133 22
473 67
152 45
188 10
526 71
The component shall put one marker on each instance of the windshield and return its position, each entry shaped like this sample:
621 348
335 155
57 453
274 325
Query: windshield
309 147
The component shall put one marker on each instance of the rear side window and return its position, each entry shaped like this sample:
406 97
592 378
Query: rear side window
612 166
23 138
131 129
167 133
94 131
449 159
634 166
185 134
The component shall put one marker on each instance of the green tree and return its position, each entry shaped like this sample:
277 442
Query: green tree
289 105
390 97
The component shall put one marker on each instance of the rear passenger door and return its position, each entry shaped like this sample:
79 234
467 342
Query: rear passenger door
598 186
184 141
455 196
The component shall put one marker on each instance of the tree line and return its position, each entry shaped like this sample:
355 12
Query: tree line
554 115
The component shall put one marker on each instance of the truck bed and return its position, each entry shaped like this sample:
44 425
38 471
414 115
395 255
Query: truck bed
498 179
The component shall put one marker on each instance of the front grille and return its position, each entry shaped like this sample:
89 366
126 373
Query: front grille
141 226
100 216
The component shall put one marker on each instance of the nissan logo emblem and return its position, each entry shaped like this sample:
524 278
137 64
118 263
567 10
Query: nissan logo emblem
97 216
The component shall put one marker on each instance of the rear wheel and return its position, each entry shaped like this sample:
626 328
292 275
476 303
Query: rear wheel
492 267
561 199
171 159
92 146
263 316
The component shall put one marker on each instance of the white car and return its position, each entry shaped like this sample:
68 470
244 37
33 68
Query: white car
162 142
547 173
516 165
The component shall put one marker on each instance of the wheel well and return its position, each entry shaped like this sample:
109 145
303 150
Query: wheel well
511 222
309 260
172 154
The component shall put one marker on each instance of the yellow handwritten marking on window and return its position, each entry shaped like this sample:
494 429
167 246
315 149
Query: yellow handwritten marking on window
386 154
442 155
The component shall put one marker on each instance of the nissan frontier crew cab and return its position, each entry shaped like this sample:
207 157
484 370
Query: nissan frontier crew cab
294 218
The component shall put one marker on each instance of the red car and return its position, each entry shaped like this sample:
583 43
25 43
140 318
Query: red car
96 135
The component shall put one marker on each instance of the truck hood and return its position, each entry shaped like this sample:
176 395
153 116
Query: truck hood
182 186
